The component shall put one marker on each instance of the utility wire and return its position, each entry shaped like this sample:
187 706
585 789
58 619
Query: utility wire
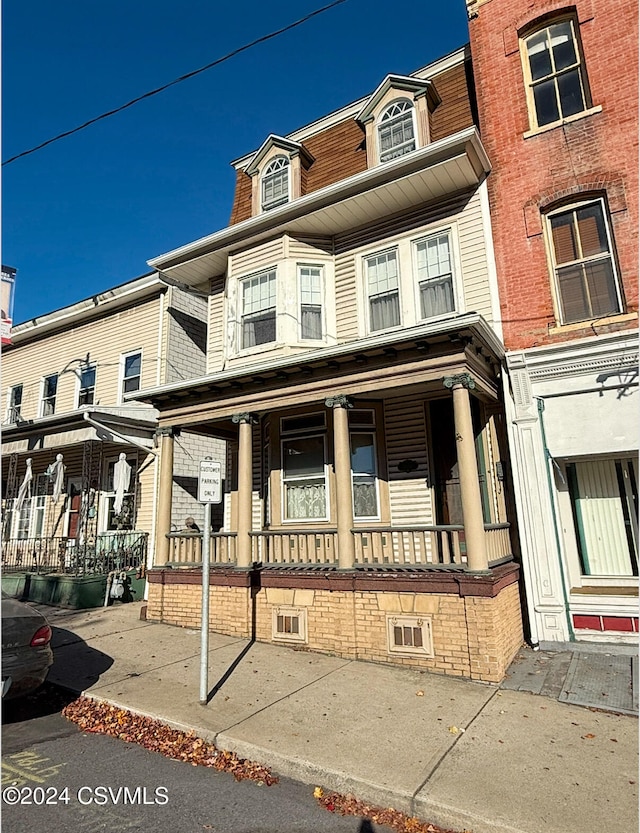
175 81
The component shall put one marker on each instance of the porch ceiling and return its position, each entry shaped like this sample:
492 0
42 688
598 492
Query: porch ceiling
446 167
414 361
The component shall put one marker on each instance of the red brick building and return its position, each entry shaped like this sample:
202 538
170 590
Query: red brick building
557 92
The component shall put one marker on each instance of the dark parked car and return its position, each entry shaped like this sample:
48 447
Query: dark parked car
26 649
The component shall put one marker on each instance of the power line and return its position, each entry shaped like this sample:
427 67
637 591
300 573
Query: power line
175 81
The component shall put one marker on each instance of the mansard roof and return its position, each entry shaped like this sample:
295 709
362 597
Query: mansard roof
404 83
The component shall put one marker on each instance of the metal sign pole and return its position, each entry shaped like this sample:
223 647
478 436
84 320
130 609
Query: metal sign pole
204 624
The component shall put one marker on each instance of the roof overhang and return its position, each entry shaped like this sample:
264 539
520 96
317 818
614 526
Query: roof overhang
272 141
451 165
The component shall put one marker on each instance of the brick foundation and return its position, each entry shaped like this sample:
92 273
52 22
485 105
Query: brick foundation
474 636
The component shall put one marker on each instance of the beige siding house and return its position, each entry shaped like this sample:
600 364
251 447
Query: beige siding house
353 367
66 426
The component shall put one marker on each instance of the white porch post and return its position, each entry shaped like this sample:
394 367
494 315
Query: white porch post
342 467
165 486
245 487
468 470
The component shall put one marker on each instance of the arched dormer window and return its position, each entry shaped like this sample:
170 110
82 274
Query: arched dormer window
275 183
396 130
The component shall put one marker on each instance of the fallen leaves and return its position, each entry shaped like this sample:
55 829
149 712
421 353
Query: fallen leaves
104 719
348 805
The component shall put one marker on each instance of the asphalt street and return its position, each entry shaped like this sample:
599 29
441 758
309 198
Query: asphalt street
56 778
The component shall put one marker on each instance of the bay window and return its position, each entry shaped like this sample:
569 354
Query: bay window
258 317
310 284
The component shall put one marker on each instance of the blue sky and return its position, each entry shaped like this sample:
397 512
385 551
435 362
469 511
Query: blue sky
86 213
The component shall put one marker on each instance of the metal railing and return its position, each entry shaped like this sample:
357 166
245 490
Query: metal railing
185 548
110 551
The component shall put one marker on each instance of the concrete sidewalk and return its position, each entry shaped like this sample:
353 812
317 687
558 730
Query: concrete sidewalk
457 753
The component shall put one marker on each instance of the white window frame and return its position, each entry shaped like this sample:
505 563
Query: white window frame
385 120
47 399
14 412
273 170
295 612
34 511
368 296
79 387
453 253
122 378
322 305
555 74
556 268
272 275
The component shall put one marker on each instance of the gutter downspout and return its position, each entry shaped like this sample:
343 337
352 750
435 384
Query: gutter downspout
128 440
548 458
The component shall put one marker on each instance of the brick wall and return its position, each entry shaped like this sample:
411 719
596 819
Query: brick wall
473 637
597 153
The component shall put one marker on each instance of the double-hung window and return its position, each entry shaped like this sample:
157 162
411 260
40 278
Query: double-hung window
396 130
555 73
434 267
131 372
310 284
304 469
258 317
383 292
275 183
49 391
15 403
584 266
364 472
87 388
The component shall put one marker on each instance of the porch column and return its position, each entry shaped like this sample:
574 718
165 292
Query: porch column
245 488
342 467
468 471
165 485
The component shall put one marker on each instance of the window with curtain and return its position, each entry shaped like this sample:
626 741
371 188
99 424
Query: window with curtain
310 284
49 390
435 275
363 475
382 278
275 183
396 130
304 478
585 273
555 73
258 318
15 403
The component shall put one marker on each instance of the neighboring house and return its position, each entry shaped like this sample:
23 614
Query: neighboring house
65 377
557 88
353 366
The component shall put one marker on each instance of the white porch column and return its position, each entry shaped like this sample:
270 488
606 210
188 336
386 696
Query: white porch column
468 470
165 486
245 488
342 467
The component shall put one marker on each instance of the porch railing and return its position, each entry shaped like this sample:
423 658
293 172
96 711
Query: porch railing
185 548
110 551
426 546
410 546
294 546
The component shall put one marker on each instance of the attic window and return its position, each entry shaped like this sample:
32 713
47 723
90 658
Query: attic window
275 183
396 131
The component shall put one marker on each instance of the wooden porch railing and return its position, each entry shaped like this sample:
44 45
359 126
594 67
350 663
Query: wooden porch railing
186 548
294 546
417 546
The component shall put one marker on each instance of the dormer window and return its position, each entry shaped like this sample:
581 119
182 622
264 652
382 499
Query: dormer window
396 131
275 183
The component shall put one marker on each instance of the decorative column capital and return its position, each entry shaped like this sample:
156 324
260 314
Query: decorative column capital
244 417
166 431
464 380
340 400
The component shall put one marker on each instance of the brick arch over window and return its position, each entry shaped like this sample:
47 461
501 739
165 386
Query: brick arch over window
538 13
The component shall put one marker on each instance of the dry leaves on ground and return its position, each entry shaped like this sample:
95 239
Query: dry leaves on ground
101 718
348 805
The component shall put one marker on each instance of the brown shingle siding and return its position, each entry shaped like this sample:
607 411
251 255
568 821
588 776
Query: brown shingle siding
454 113
242 201
339 153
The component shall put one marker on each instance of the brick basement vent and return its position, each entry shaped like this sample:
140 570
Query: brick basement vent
410 635
289 624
